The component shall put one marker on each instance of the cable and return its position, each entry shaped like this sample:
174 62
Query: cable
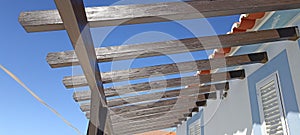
39 99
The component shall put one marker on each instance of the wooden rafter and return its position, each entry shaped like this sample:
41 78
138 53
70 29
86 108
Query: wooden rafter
189 92
160 12
148 112
178 101
145 129
73 15
160 111
162 84
193 66
107 54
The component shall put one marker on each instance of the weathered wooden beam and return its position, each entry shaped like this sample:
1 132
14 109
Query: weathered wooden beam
50 20
177 92
135 127
181 109
145 112
170 116
114 53
162 84
73 15
176 101
156 110
137 73
150 111
160 112
153 118
145 129
187 93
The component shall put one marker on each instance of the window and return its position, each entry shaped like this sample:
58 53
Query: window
194 128
271 106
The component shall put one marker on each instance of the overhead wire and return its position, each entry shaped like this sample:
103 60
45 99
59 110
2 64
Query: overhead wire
40 100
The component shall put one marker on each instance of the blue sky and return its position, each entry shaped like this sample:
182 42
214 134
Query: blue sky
25 55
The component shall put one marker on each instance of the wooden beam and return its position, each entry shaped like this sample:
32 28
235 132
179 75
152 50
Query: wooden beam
169 94
146 121
178 101
134 127
160 111
145 129
114 53
147 13
73 15
149 111
149 117
181 109
175 68
162 84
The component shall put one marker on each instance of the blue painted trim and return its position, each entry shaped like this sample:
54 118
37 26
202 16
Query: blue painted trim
198 116
280 64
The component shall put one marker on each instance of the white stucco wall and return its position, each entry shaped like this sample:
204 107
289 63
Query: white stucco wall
181 130
233 116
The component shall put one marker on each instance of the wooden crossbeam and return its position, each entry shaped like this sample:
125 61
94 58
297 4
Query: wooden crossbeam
170 115
114 53
130 127
73 15
149 111
161 111
138 73
160 12
169 94
162 84
146 112
145 129
177 101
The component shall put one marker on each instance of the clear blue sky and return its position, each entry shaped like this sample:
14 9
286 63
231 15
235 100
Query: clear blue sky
25 55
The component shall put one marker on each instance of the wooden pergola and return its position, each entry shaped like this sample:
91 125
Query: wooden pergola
144 112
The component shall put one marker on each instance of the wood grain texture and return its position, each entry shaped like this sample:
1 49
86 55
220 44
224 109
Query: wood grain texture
114 53
163 95
36 21
124 128
144 112
167 94
145 129
177 101
160 84
73 15
167 69
159 111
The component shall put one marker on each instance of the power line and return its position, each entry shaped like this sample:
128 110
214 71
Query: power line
39 99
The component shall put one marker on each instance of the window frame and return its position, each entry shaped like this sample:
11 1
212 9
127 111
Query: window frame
274 76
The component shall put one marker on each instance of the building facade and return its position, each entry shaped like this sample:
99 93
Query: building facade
267 101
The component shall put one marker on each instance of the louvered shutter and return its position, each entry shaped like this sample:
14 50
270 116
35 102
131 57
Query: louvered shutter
270 106
194 128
